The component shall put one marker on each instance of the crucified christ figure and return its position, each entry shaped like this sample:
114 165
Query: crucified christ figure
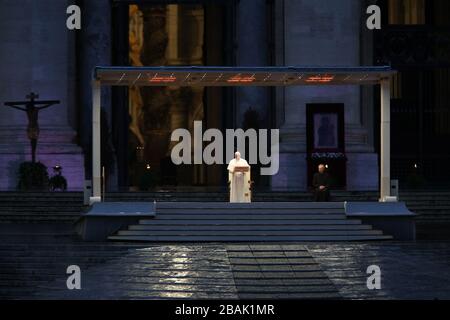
32 108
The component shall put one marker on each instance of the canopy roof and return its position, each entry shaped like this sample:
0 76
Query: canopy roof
240 76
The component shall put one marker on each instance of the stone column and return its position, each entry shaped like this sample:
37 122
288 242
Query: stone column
252 50
37 55
95 44
385 148
96 143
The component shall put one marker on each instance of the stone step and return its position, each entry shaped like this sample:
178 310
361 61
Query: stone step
249 227
39 210
41 201
249 211
31 218
426 208
4 219
256 238
40 214
212 199
253 205
41 194
435 219
427 200
431 214
244 216
248 222
424 194
238 233
283 221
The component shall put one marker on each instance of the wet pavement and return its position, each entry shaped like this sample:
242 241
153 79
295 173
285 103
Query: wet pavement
35 268
409 270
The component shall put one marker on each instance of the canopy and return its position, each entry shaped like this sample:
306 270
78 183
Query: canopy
243 76
240 76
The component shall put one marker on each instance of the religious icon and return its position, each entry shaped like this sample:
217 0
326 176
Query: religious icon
325 131
32 111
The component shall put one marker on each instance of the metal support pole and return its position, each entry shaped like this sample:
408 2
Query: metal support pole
385 148
103 183
96 171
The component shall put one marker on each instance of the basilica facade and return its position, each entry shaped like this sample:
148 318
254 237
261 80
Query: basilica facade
334 125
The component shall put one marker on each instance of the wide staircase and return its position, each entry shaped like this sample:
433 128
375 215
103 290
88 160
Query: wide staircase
432 207
40 207
258 221
222 196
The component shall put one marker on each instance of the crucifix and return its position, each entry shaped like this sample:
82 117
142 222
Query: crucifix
32 107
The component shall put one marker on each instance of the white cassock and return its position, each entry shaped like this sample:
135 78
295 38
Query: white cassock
239 181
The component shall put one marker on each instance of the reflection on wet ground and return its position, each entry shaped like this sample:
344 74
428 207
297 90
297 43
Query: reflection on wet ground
156 272
36 269
409 270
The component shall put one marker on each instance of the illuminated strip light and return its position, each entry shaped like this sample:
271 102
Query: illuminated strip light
242 79
121 78
267 78
364 77
320 79
161 79
187 77
219 77
137 78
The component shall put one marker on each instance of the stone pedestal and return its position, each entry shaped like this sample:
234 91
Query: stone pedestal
38 55
54 148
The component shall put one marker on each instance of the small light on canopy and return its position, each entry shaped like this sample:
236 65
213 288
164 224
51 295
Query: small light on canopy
320 79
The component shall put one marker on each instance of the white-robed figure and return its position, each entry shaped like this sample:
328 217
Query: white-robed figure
239 179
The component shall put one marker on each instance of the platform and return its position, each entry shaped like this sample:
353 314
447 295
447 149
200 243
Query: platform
106 218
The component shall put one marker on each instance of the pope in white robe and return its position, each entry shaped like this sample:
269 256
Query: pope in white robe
239 179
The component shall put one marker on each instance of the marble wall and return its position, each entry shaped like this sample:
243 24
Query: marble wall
322 33
37 54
